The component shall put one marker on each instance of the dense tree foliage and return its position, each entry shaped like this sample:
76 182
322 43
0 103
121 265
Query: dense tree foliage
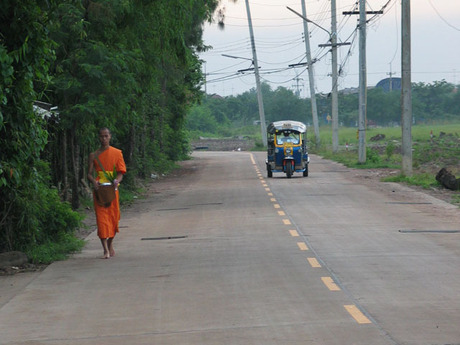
243 110
129 65
437 102
28 207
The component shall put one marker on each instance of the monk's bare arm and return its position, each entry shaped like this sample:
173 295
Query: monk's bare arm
91 170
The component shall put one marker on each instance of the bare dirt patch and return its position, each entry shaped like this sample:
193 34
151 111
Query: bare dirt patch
374 176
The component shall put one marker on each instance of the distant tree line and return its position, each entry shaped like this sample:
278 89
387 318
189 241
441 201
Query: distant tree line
432 103
129 65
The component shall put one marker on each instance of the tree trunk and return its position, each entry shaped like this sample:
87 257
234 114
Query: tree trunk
63 166
131 145
75 162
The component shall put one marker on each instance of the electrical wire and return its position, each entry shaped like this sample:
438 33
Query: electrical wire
263 26
226 78
225 68
288 45
441 17
397 38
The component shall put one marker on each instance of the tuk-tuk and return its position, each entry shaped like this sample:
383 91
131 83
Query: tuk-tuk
287 148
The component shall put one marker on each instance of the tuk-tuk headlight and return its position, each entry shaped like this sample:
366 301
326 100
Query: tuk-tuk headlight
288 151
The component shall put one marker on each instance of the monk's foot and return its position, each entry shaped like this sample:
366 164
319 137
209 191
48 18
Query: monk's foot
106 256
112 252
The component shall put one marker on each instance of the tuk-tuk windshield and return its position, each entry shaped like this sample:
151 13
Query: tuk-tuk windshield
287 137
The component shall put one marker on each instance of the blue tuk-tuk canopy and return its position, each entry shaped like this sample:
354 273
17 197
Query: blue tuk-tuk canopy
286 125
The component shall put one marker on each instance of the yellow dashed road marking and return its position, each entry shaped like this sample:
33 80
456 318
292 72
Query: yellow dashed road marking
281 213
302 246
330 284
272 199
294 233
286 222
313 262
267 189
270 194
357 314
276 206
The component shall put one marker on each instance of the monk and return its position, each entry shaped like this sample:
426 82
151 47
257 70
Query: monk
107 218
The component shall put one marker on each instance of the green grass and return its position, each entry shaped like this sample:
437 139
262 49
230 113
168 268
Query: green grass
420 133
56 250
428 157
127 196
456 199
424 180
373 159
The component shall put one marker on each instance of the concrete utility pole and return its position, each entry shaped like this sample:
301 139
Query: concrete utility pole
390 87
335 95
311 77
406 90
362 83
362 122
297 86
334 45
205 81
263 126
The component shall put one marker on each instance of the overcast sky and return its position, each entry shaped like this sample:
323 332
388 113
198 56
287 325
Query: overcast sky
278 33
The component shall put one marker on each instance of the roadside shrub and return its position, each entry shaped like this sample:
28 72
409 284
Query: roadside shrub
36 214
372 155
58 249
390 150
424 180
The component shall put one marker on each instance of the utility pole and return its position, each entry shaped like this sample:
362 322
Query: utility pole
406 89
390 87
205 81
335 96
311 77
334 45
362 121
297 86
263 127
362 83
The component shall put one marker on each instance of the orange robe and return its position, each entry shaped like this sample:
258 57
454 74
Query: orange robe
107 218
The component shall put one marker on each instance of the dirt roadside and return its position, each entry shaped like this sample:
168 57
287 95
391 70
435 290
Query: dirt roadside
375 176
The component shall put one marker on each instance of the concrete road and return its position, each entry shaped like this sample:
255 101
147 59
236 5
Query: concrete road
223 255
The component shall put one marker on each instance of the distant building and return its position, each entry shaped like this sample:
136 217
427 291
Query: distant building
352 90
349 91
45 110
389 84
216 96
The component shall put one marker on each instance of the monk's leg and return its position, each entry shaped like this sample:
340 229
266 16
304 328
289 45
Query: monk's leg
110 246
105 246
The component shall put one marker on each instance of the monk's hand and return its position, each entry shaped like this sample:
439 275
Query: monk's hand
96 185
116 183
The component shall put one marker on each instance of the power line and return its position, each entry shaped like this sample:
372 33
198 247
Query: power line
442 18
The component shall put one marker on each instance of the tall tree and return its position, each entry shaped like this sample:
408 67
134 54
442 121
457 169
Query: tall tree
25 56
128 65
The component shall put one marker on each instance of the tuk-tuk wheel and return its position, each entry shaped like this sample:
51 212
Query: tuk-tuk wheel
269 171
288 170
305 173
